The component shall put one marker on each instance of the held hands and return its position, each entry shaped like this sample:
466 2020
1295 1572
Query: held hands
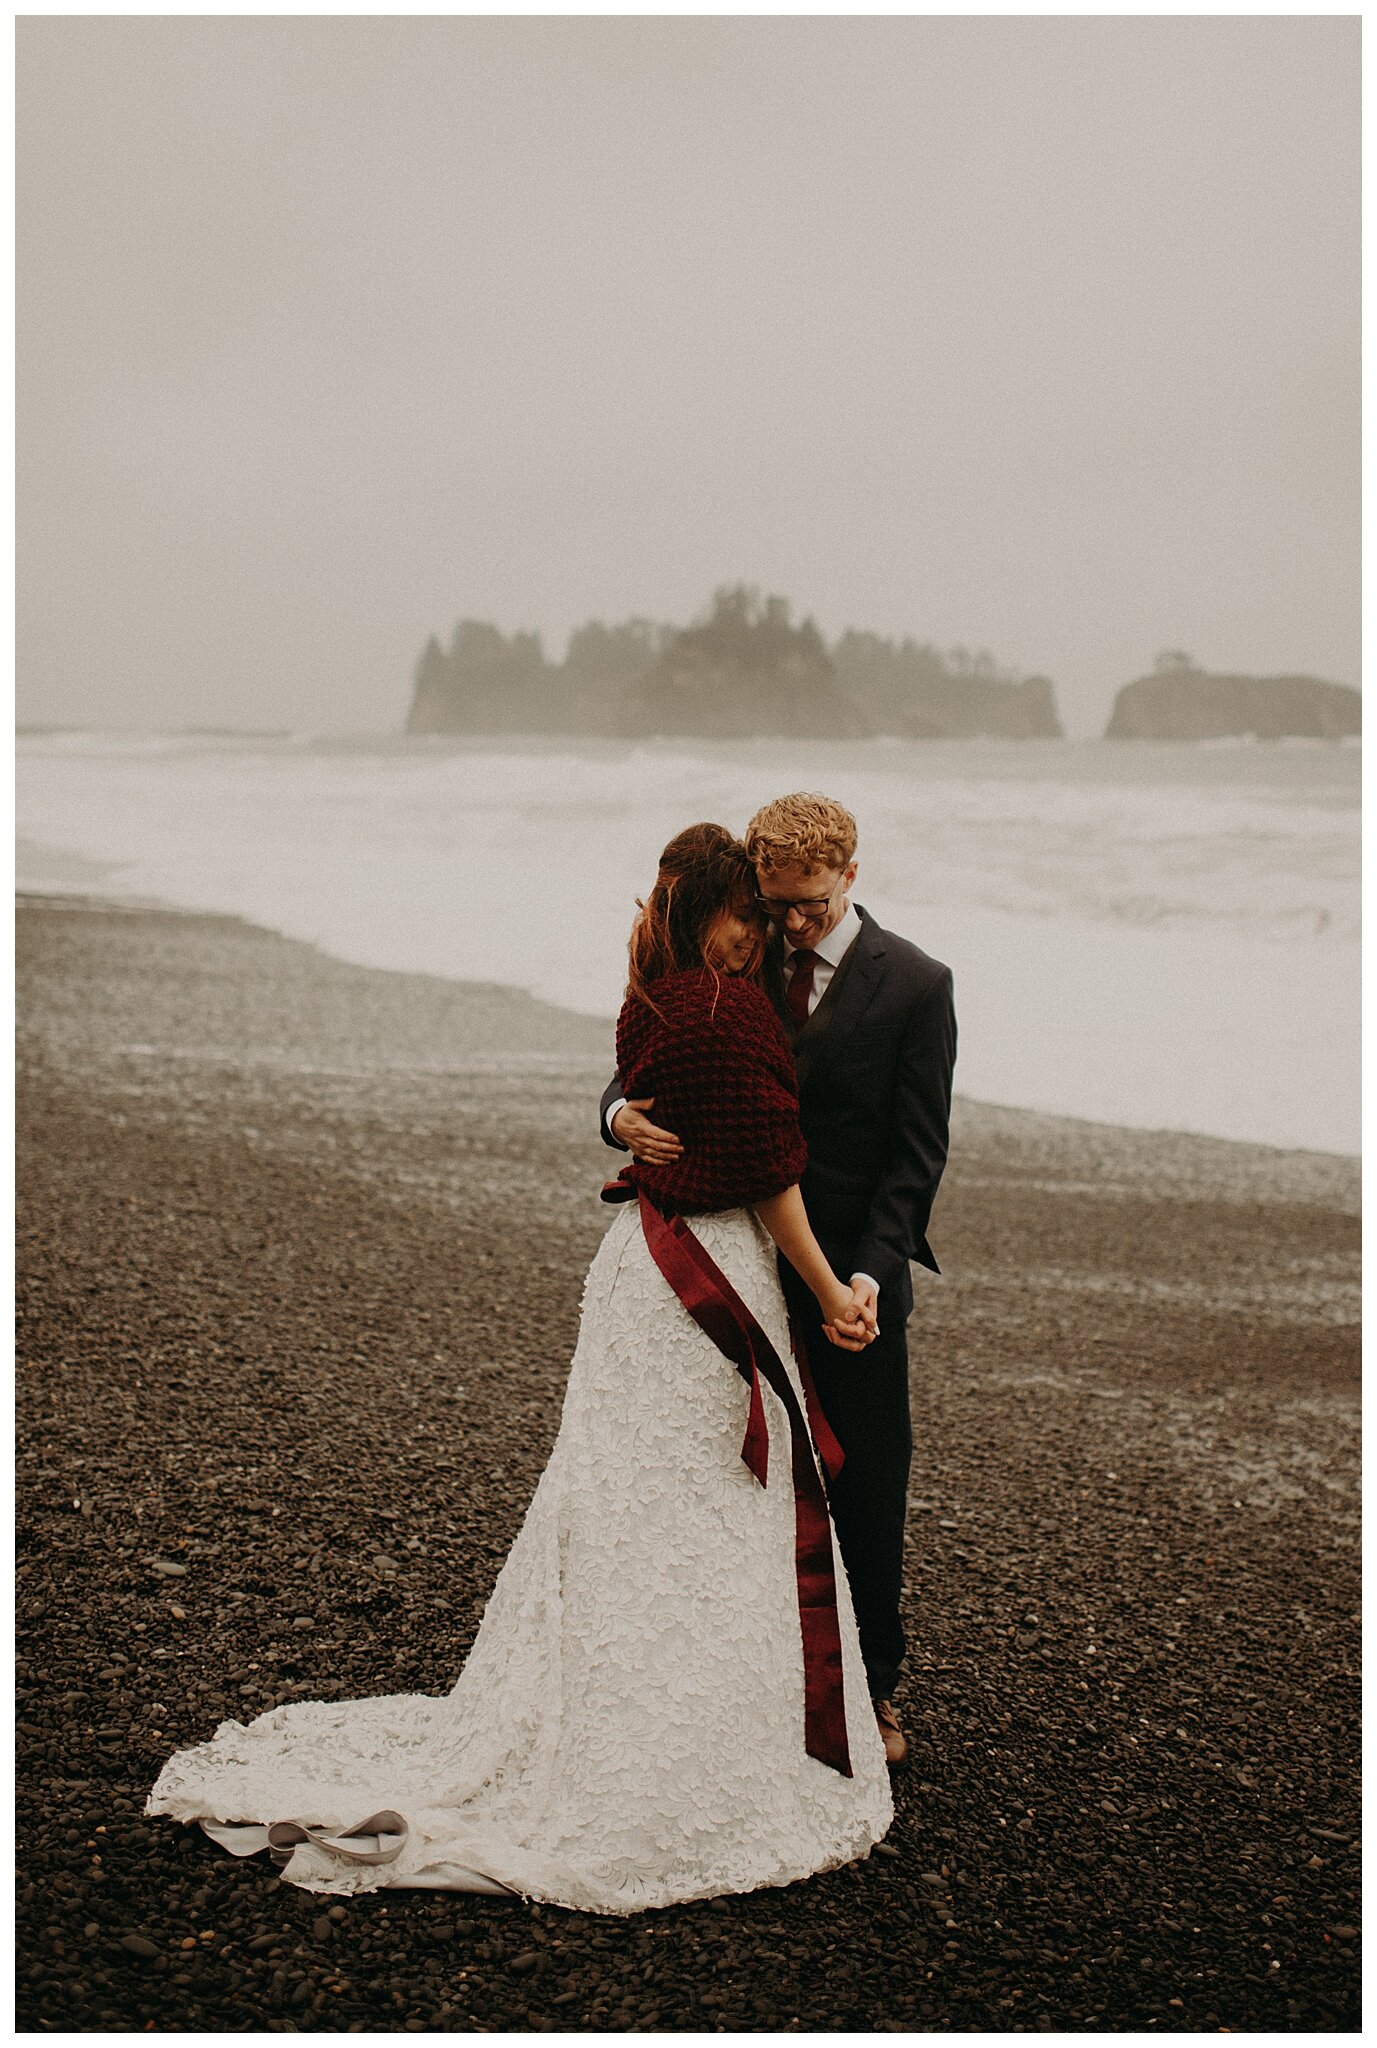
643 1139
849 1316
848 1313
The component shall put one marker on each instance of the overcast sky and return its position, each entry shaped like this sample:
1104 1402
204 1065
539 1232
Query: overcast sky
1035 333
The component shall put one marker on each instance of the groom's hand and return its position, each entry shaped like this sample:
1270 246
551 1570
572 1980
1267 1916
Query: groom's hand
848 1336
857 1326
643 1139
865 1303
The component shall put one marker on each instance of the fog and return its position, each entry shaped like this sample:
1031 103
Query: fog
1036 334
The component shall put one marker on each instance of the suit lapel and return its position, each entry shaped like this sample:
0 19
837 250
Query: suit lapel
848 994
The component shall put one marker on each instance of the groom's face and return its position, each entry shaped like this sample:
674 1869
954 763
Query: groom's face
806 903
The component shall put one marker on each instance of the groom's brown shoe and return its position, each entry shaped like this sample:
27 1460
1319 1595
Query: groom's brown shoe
887 1721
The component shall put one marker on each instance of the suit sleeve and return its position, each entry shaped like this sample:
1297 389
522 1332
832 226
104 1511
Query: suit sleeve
896 1227
611 1094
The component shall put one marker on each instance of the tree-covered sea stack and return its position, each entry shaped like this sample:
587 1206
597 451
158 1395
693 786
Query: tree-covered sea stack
744 668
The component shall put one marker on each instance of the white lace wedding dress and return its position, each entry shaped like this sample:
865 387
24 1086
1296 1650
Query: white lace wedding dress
628 1730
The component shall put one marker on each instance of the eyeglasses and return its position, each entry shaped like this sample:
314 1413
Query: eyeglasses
807 906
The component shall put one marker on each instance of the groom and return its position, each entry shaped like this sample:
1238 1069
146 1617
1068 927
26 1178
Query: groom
871 1021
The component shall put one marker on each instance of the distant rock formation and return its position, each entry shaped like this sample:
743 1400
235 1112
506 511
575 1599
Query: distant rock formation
742 670
1182 702
916 692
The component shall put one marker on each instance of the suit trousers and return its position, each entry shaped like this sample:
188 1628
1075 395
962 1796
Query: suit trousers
864 1395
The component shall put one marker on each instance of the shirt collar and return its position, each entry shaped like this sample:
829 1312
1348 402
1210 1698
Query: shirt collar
834 946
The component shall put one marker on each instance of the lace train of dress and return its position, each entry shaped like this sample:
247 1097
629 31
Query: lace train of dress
628 1729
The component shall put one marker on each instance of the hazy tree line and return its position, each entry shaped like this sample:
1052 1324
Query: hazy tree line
743 667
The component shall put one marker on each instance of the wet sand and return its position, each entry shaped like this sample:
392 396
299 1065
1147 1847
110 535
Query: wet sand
301 1247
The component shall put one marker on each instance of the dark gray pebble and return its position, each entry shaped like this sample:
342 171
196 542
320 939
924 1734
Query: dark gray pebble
363 1211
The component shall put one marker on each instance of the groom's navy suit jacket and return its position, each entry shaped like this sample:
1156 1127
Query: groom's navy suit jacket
875 1070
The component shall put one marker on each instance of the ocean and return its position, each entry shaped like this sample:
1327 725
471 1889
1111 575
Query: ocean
1153 935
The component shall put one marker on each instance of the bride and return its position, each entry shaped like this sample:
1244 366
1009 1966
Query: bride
665 1699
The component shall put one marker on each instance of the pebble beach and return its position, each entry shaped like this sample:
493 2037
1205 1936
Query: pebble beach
301 1246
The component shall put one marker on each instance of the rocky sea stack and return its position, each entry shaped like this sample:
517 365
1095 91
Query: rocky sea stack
742 669
1182 702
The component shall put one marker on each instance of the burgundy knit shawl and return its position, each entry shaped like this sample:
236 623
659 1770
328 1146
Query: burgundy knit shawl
720 1069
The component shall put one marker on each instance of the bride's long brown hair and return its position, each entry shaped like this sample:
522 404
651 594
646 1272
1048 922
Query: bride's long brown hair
703 870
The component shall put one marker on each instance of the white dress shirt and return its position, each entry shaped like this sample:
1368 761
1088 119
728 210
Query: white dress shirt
830 951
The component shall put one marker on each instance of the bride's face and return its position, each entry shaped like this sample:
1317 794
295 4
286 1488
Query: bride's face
732 941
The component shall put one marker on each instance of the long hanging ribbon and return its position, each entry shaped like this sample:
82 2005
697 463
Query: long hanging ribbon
717 1308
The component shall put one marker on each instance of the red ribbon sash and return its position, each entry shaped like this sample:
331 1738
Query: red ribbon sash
717 1308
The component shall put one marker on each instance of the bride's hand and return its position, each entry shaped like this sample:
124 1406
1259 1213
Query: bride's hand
843 1323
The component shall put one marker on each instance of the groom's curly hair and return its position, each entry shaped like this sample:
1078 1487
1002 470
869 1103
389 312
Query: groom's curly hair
804 830
703 870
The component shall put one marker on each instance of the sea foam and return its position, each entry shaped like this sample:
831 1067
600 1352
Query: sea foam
1159 936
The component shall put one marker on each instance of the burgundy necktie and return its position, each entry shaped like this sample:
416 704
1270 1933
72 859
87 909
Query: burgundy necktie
801 985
